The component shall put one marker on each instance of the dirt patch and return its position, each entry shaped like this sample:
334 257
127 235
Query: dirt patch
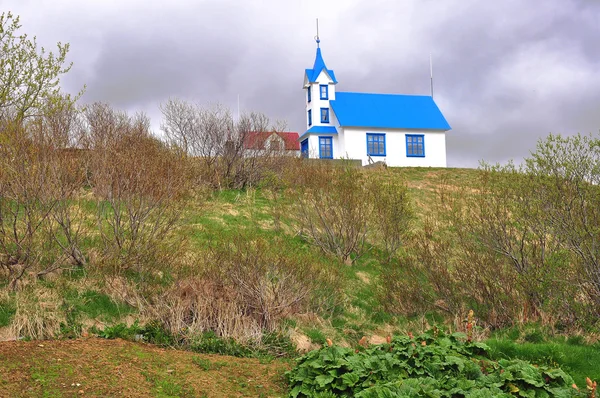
363 277
116 368
375 339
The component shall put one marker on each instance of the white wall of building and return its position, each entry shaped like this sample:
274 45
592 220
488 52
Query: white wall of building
354 146
313 145
317 103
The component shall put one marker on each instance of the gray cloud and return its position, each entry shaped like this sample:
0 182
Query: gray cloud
506 73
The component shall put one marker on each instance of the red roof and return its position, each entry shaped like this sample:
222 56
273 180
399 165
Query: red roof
256 140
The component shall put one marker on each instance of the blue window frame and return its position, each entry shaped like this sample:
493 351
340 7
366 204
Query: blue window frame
304 148
375 144
325 148
415 145
308 93
324 115
324 90
310 117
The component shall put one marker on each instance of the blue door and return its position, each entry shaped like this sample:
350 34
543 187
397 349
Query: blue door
304 148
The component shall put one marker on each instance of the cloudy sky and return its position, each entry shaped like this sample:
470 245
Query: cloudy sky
506 73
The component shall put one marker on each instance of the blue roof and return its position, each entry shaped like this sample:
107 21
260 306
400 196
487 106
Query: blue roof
388 111
319 65
320 130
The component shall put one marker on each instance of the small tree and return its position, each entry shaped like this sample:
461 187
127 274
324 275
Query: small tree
568 171
29 76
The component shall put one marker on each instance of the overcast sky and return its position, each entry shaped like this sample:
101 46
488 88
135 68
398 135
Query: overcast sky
506 73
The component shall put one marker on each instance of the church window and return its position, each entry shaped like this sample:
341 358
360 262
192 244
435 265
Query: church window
310 117
308 93
325 148
375 144
415 145
324 91
324 115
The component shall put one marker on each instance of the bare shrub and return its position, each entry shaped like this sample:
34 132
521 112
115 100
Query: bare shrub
342 208
60 129
332 209
24 202
493 250
139 183
219 144
247 287
392 214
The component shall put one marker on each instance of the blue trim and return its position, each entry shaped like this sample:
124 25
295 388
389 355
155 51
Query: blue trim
308 90
304 148
320 129
325 117
309 117
325 95
376 141
415 152
327 141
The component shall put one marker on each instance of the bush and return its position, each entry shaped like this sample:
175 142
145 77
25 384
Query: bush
340 207
246 286
139 184
499 246
432 364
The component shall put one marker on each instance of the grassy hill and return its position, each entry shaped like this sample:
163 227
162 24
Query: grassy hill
215 226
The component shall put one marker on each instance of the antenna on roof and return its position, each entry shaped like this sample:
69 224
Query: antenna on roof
431 73
317 36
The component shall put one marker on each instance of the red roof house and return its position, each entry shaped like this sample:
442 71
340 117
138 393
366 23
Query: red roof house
274 141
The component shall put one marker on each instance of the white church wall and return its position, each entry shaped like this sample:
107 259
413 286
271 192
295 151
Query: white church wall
313 145
355 147
317 103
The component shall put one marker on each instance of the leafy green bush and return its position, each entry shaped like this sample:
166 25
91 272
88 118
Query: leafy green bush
433 364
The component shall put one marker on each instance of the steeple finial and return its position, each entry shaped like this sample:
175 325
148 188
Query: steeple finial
317 36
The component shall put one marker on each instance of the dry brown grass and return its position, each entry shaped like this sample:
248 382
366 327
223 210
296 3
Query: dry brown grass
38 314
194 305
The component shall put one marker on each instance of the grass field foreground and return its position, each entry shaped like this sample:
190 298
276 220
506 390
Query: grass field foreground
117 368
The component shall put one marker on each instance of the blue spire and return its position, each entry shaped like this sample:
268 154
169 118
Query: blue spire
319 65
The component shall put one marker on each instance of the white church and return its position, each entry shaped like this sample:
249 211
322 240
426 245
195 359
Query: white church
399 130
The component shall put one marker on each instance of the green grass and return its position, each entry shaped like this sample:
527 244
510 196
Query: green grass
7 311
315 335
579 360
207 364
166 385
96 305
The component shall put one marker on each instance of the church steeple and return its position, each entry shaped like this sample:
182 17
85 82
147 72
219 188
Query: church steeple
318 67
312 75
319 83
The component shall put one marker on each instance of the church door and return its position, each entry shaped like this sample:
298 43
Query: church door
304 148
